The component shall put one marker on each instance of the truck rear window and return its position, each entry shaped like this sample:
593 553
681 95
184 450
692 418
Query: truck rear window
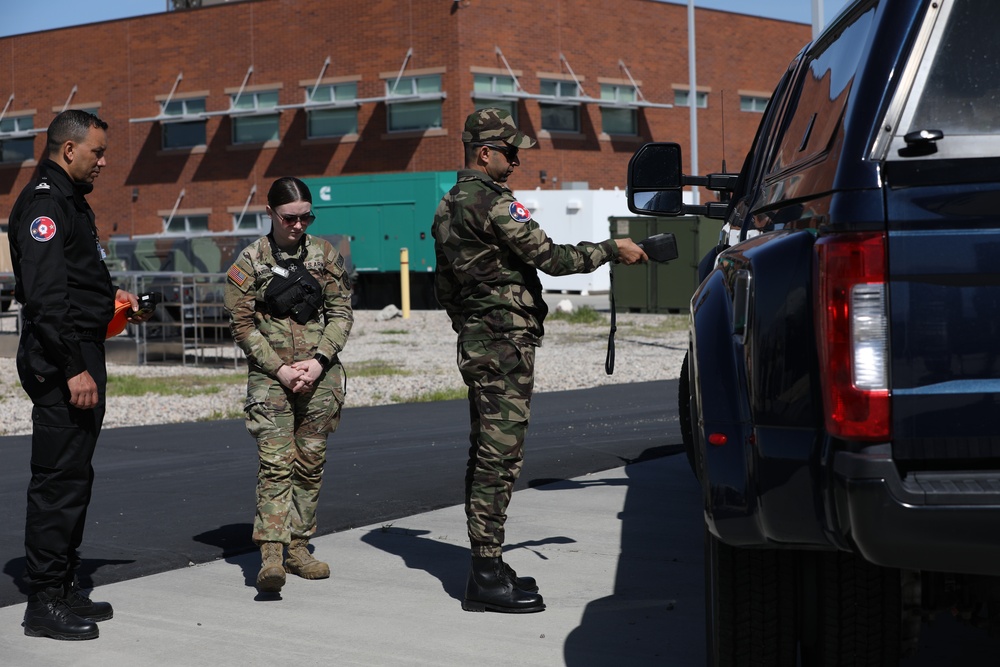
961 94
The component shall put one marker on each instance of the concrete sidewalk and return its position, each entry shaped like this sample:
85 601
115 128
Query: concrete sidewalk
618 556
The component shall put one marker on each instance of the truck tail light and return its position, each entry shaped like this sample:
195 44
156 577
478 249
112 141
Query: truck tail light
853 335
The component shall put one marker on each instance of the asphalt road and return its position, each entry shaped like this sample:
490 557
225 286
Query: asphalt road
168 496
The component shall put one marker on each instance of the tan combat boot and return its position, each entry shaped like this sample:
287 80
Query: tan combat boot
302 563
271 577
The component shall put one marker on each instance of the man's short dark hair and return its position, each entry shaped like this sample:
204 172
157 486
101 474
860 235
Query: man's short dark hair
470 153
70 125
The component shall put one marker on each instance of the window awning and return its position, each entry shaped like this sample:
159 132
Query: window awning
204 115
416 97
520 94
312 105
17 134
169 118
642 102
21 134
393 98
233 110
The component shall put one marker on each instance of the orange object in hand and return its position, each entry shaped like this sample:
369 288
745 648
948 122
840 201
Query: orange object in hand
117 324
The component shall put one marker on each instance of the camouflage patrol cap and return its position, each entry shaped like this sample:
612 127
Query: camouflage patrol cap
492 124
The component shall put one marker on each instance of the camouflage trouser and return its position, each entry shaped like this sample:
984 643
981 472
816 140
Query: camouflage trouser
291 432
500 376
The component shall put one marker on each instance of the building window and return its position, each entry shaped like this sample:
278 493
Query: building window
20 149
486 88
334 122
256 222
753 103
619 120
421 114
185 224
184 134
682 98
260 126
560 117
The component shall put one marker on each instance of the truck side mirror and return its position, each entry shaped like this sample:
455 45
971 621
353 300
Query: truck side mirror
655 166
655 180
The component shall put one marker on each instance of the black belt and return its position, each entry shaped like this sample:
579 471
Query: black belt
97 333
91 334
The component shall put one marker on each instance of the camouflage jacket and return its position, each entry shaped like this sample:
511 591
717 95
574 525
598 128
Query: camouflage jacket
271 341
488 252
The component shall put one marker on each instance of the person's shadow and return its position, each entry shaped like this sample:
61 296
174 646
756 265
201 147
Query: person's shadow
448 562
238 549
84 574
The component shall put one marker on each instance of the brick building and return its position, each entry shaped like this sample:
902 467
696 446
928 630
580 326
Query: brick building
208 106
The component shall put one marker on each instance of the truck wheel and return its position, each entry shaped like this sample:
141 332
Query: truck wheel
858 612
749 605
5 304
684 412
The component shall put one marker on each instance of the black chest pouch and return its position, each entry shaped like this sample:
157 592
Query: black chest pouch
293 291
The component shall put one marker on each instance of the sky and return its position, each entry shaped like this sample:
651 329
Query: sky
18 18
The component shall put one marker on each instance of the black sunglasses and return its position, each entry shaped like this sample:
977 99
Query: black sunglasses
509 152
306 218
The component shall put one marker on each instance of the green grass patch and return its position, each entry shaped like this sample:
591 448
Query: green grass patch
394 332
374 368
218 415
671 323
433 396
581 315
176 385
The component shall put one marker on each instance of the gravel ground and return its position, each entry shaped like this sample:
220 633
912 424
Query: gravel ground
394 361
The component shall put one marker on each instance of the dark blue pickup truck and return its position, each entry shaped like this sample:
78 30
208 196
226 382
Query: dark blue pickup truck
841 396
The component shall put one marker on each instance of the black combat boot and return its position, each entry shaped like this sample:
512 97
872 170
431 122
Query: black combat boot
48 615
86 608
526 584
491 587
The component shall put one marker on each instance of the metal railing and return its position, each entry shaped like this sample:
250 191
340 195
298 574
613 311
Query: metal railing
190 325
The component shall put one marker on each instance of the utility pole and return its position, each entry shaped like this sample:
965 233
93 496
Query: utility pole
817 17
693 100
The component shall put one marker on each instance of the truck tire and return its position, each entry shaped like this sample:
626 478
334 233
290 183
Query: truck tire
858 612
684 412
749 605
5 303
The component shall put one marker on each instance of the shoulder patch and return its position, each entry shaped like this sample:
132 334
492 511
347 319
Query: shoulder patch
519 212
43 186
43 229
236 275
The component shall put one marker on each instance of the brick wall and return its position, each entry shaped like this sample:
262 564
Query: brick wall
124 65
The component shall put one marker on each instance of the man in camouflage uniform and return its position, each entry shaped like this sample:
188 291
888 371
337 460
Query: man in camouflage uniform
489 251
294 394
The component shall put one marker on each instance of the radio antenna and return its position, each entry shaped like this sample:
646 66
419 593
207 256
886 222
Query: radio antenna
723 109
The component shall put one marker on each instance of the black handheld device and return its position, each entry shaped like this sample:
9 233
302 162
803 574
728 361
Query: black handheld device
661 247
148 302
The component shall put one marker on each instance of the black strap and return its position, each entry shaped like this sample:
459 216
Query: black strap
609 362
276 253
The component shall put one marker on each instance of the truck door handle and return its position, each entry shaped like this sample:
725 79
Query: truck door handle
741 303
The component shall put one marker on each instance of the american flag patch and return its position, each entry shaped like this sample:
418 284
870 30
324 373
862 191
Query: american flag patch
237 276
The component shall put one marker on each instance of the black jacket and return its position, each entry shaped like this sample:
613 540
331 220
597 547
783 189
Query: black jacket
62 282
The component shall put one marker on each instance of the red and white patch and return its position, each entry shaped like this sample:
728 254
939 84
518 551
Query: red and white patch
43 229
519 212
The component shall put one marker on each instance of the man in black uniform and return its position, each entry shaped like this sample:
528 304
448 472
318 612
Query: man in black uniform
67 301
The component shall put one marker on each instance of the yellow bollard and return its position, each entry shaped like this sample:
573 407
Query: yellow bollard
404 280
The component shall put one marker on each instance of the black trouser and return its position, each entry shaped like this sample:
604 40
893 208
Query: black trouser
62 448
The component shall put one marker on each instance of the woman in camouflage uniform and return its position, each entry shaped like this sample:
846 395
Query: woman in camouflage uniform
290 311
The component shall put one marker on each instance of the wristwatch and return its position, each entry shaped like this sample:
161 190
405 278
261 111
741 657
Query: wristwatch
323 360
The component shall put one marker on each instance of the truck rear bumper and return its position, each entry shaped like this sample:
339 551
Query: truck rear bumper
942 522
